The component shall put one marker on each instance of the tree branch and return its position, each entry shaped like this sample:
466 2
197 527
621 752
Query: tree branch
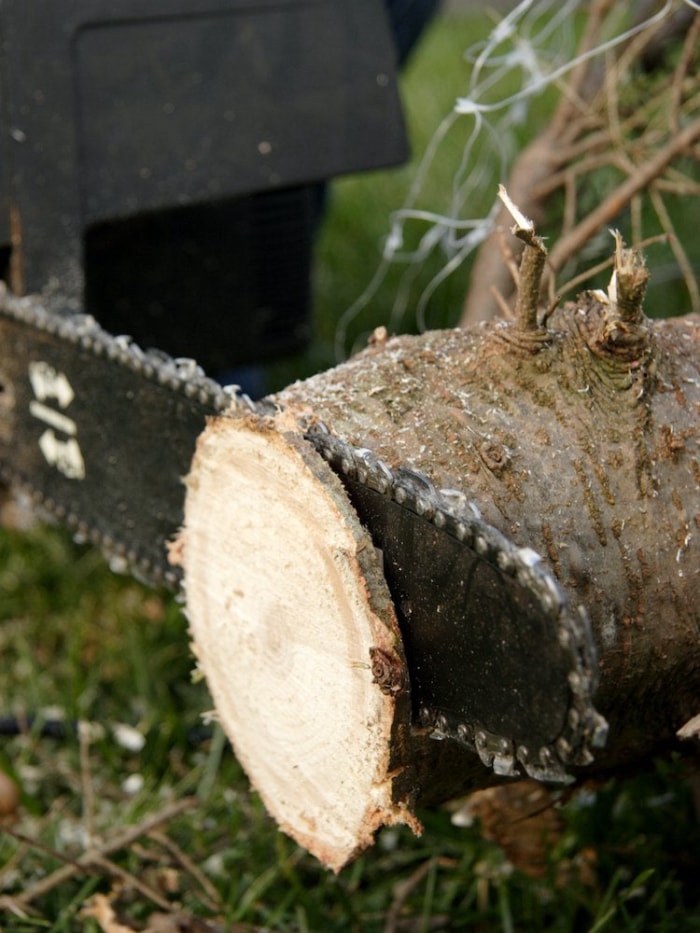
606 212
95 856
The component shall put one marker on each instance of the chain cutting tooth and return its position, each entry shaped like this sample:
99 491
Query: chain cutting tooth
382 480
441 729
454 499
505 561
465 733
188 368
504 765
599 730
463 533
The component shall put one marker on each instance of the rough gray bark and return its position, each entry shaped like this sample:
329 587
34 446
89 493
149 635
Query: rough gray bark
577 437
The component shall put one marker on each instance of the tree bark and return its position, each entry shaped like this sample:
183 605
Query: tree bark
580 441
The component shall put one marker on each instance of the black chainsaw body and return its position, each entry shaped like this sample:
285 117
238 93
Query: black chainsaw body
161 160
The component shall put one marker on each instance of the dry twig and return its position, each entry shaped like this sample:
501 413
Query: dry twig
607 125
609 209
95 856
403 890
212 895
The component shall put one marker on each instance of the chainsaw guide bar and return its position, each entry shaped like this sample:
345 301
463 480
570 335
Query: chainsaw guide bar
100 434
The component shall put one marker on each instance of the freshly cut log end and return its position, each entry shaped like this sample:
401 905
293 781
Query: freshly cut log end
289 612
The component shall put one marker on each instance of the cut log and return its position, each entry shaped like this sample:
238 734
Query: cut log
579 441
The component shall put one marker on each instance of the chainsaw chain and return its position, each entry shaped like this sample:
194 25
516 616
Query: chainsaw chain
448 510
451 511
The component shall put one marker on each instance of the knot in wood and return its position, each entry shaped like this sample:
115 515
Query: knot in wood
623 341
494 455
623 353
387 671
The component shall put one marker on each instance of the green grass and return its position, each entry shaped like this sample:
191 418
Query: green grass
80 643
108 651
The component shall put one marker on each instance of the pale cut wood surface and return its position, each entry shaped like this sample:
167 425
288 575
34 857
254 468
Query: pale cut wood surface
282 619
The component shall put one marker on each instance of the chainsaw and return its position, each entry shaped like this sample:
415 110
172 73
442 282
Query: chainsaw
100 434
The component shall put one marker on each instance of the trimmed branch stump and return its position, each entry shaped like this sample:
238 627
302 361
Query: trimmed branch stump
576 437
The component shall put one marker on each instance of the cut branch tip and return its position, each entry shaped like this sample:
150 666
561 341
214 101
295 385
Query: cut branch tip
531 266
522 223
628 282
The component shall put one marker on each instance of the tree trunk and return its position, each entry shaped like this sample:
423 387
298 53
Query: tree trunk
580 441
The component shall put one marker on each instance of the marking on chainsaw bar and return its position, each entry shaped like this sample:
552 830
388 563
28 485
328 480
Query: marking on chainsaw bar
63 454
53 418
47 383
